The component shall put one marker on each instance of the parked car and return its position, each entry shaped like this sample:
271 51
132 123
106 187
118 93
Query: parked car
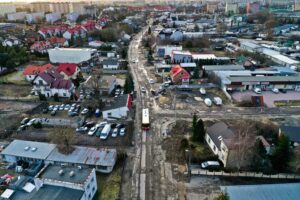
97 112
82 129
31 122
84 111
275 90
25 121
122 131
211 165
53 113
72 113
119 126
257 90
115 132
217 101
151 81
21 128
67 107
62 107
90 124
202 91
143 90
45 110
208 102
105 132
282 90
56 107
93 130
50 108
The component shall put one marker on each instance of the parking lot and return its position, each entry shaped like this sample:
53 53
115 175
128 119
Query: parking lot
269 97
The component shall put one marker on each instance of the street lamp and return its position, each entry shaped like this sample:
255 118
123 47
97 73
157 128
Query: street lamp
188 153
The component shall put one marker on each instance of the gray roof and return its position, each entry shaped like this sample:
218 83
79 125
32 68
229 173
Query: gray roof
79 177
107 81
292 132
223 67
295 79
110 62
284 191
17 148
120 101
48 192
86 156
217 130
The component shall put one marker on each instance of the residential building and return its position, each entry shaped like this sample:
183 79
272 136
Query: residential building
106 84
111 64
68 70
60 7
40 7
49 31
78 7
171 34
119 108
35 17
53 17
17 16
11 41
231 8
73 16
224 144
211 6
6 8
75 32
293 132
32 71
73 55
103 160
180 75
49 43
163 51
51 82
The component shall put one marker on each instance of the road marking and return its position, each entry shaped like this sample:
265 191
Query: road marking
143 186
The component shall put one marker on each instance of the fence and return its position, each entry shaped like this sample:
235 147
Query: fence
244 174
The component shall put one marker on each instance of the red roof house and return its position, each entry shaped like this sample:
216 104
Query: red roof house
180 75
68 70
31 71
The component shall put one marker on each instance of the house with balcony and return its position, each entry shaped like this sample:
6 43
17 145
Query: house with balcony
179 75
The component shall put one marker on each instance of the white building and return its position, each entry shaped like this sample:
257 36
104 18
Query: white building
18 16
53 17
166 50
72 55
73 16
117 109
6 8
34 17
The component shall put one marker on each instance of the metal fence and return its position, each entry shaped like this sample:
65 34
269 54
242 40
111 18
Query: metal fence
244 174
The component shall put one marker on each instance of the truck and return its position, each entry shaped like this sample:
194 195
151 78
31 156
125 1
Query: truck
217 101
207 102
105 132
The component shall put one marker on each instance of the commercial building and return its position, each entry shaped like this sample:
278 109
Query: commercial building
6 8
103 160
163 51
72 55
53 17
18 16
54 182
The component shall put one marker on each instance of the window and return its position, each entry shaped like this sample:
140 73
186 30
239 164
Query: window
88 186
92 180
214 147
40 82
208 140
109 114
93 189
64 94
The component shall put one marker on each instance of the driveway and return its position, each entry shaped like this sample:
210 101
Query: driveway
269 97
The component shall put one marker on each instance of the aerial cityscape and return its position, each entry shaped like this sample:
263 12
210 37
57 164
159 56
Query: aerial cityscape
150 100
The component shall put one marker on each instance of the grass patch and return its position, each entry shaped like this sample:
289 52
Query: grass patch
16 77
121 76
12 90
286 103
201 152
109 184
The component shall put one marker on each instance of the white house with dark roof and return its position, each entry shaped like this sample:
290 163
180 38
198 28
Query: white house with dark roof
119 108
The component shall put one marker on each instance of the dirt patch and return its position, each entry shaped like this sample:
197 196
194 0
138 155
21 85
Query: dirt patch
164 100
11 90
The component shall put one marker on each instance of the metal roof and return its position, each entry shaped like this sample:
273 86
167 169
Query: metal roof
294 79
29 149
52 172
86 156
223 67
263 192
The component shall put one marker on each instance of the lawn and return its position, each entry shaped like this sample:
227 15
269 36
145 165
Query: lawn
16 77
286 103
12 90
109 184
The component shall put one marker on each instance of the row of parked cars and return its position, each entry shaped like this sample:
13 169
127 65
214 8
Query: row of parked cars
73 109
27 122
102 129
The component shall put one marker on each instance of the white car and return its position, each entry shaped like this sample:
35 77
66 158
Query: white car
84 111
122 131
257 90
208 102
115 133
202 91
31 122
151 81
143 90
275 90
93 130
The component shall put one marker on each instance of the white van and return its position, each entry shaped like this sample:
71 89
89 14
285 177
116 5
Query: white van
217 101
207 102
257 90
105 132
210 165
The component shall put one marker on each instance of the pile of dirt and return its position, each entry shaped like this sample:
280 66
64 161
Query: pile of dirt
164 100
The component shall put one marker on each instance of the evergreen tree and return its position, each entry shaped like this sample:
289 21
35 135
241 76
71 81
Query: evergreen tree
196 73
129 85
149 30
194 136
222 196
201 131
280 156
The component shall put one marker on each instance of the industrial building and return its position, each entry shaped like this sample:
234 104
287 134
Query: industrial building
72 55
103 160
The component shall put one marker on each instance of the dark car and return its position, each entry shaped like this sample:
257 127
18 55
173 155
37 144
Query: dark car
282 90
53 113
90 124
45 110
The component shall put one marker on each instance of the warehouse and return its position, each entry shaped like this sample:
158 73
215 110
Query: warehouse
73 55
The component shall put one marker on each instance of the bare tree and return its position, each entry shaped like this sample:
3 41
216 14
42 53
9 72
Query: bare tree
64 137
243 142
